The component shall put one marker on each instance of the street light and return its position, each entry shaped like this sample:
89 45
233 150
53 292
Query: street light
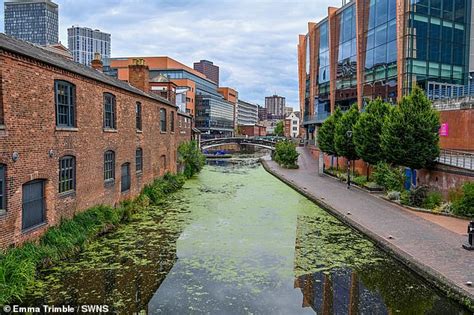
349 136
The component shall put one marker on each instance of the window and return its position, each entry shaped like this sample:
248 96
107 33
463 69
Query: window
67 174
163 120
109 111
65 104
3 201
109 166
139 160
172 122
125 179
33 204
138 115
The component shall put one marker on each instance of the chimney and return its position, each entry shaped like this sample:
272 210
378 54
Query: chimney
97 63
139 75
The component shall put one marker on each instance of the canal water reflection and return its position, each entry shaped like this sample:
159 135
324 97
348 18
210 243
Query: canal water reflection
236 240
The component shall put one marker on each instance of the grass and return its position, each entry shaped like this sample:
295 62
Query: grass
18 266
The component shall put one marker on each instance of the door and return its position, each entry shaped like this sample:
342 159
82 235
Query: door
125 178
33 210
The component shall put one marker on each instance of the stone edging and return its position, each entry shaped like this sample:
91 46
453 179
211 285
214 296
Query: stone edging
451 289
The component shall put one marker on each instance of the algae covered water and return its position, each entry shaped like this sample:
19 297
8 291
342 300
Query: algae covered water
236 240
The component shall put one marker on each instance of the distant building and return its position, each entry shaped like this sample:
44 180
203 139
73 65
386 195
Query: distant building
288 111
275 106
35 21
262 113
208 68
59 49
292 126
253 130
247 113
84 42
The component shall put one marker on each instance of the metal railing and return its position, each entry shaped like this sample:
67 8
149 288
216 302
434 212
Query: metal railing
463 102
457 158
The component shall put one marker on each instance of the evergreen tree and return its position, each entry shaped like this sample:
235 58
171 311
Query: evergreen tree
345 145
326 133
368 130
410 135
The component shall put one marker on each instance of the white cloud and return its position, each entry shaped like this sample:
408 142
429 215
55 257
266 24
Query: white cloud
253 42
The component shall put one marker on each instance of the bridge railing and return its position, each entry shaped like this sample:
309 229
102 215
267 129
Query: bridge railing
457 158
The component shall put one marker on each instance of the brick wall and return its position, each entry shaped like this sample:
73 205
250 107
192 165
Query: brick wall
461 130
30 130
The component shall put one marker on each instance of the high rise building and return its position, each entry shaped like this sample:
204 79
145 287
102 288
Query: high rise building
382 48
275 106
35 21
84 42
207 68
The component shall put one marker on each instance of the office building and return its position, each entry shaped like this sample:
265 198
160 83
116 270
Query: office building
247 113
382 48
35 21
208 68
275 106
84 43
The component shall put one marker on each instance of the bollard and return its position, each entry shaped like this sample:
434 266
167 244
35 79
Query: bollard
470 236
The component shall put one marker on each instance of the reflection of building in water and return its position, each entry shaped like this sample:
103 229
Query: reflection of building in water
339 291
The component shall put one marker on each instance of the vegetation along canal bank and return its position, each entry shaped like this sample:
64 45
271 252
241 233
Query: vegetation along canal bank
236 240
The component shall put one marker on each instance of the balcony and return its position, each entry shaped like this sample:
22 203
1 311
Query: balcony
318 118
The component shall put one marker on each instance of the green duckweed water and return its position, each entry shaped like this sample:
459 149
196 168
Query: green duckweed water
236 240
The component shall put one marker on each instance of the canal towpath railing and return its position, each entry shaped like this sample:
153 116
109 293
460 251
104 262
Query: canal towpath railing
459 159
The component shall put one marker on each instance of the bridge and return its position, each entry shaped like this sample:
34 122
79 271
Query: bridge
253 141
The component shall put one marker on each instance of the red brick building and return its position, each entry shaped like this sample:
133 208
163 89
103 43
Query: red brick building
253 130
72 137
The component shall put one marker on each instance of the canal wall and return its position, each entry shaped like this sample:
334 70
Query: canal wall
440 280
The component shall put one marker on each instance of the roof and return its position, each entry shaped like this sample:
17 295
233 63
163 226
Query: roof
30 50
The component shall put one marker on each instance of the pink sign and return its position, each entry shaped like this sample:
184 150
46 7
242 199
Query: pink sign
444 130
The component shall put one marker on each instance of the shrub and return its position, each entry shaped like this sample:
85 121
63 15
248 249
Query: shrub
360 180
418 196
394 195
465 205
433 199
191 157
286 154
391 178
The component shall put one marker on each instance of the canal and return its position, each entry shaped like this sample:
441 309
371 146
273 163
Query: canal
235 240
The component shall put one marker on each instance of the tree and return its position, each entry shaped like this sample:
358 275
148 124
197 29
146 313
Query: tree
326 133
410 135
368 130
279 129
286 154
191 157
344 144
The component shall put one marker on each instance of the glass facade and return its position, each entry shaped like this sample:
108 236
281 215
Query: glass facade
346 75
214 116
380 50
437 36
84 42
35 21
322 100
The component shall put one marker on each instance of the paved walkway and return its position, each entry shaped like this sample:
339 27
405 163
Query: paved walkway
426 245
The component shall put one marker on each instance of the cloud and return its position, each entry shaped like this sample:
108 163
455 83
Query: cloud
253 42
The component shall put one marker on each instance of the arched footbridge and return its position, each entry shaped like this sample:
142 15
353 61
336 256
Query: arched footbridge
253 141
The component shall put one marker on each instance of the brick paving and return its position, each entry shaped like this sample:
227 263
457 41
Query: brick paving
428 247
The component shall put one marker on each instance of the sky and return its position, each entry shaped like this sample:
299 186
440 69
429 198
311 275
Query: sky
252 41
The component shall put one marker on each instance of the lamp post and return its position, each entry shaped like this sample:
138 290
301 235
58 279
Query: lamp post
349 136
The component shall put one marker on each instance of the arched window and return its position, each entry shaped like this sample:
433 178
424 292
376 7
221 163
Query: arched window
65 98
163 120
3 191
110 115
109 166
67 174
139 160
125 177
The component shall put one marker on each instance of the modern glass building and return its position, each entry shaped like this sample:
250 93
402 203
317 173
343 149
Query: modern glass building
35 21
84 42
382 48
247 113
